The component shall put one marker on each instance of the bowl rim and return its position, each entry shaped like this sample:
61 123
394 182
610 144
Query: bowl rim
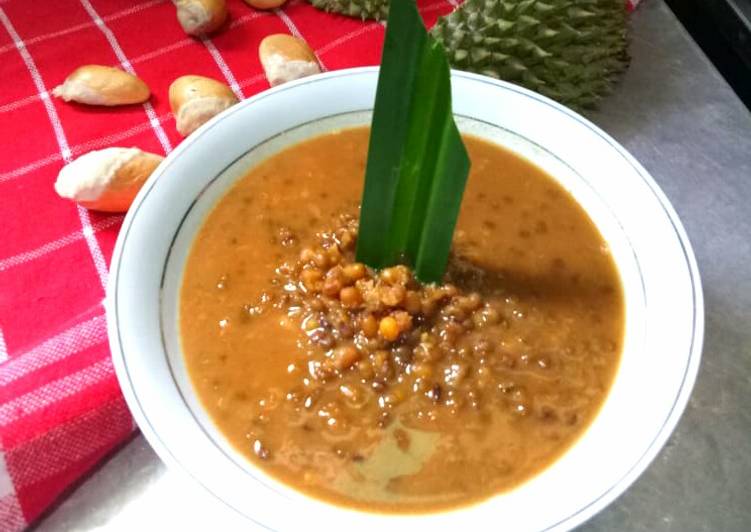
578 516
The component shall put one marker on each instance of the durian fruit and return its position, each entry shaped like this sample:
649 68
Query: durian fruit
363 9
569 50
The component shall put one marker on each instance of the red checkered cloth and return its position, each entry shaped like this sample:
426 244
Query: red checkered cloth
61 410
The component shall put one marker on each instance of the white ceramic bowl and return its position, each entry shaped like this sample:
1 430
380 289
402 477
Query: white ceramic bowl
664 308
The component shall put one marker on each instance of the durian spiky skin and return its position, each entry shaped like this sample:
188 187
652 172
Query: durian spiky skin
569 50
362 9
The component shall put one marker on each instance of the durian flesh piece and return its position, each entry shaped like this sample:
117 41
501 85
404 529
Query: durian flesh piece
569 50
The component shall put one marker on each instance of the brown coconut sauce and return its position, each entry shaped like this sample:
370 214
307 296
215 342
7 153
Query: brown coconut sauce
370 389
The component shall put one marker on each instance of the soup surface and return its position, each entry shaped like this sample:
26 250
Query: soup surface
372 390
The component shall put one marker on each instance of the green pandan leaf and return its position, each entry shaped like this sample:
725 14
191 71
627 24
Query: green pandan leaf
417 163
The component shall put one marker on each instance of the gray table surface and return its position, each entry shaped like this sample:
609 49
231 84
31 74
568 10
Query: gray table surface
679 118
